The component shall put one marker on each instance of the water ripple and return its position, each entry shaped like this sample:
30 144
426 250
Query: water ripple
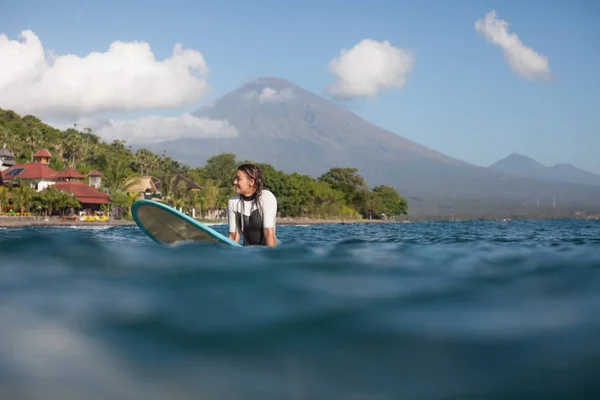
485 309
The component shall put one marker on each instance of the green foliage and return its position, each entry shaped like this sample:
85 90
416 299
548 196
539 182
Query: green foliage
119 199
387 201
347 180
209 195
339 192
350 183
21 197
221 168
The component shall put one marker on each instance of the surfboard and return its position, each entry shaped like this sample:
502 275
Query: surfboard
166 225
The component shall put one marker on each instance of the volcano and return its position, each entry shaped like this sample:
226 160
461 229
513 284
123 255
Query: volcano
295 130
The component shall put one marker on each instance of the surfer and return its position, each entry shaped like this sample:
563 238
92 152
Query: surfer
252 210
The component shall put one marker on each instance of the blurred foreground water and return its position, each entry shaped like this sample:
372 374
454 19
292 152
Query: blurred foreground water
490 310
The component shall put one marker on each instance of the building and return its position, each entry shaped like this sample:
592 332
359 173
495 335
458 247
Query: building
177 182
190 186
150 187
95 178
142 186
68 180
7 159
40 176
68 174
43 157
37 173
89 197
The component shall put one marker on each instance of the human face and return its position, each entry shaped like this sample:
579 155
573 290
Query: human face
243 184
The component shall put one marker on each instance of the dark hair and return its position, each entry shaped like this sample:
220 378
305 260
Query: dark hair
253 171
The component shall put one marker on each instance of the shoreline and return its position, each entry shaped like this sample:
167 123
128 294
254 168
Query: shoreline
16 222
302 221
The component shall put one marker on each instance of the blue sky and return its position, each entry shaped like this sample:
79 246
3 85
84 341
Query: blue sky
461 97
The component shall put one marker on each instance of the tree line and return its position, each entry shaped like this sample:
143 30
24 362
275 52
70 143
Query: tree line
339 192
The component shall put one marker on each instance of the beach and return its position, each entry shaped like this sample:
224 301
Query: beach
14 222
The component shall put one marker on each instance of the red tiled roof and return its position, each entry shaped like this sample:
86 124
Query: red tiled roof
92 200
69 173
42 153
29 171
94 173
84 193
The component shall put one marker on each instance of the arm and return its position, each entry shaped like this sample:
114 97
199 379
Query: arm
270 212
233 231
235 236
269 236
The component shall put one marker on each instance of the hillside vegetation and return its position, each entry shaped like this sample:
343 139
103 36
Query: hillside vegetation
339 192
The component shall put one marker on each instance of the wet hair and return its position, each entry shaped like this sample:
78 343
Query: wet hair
253 171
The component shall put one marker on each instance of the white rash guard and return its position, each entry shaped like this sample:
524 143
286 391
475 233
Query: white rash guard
255 218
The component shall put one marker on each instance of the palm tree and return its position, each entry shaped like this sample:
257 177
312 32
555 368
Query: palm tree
132 198
118 177
74 147
210 194
22 196
146 161
196 201
33 139
3 197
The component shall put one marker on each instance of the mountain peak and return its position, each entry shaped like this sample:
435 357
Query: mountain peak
274 82
273 108
517 162
525 166
270 82
517 156
272 120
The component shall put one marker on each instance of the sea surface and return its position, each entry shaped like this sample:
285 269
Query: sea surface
436 310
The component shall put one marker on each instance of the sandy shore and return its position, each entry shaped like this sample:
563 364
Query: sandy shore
14 222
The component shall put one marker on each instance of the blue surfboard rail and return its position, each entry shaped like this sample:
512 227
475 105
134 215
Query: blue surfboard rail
181 217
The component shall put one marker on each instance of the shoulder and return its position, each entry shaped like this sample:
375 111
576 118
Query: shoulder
233 200
267 195
268 198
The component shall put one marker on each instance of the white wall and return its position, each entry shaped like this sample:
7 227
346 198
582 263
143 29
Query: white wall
42 184
95 181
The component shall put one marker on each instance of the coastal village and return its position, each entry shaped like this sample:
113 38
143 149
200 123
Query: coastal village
93 198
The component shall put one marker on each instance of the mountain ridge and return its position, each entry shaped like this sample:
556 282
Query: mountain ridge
525 166
295 130
258 87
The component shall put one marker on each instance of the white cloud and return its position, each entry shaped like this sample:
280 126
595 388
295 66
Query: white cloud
521 59
368 68
154 129
268 95
125 77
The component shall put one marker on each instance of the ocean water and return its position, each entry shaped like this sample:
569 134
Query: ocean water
489 310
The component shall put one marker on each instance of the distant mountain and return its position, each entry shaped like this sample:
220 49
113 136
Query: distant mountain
295 130
524 166
517 164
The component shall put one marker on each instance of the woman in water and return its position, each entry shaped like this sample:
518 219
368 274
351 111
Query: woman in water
252 211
